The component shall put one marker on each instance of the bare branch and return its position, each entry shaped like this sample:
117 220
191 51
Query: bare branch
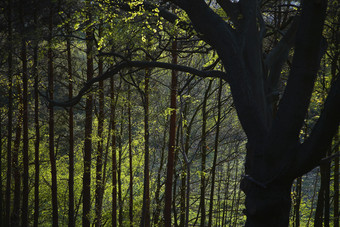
141 65
276 58
315 147
296 98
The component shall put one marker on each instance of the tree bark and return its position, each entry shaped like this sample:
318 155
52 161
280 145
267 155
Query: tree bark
172 137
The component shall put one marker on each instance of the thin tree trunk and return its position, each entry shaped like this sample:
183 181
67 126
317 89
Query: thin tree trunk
130 158
99 166
213 170
114 155
71 220
145 221
10 118
120 154
15 218
327 194
51 123
24 215
336 184
88 125
321 197
1 193
158 184
226 196
37 130
184 176
297 201
204 153
172 137
312 202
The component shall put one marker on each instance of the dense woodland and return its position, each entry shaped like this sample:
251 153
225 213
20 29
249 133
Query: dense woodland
169 113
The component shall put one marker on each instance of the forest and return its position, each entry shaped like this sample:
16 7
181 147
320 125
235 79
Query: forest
169 113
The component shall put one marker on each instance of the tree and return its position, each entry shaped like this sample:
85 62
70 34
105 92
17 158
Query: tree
274 155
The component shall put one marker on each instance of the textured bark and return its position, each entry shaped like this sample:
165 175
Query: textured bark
172 137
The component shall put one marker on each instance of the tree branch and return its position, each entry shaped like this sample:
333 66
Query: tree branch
278 55
296 98
315 147
141 65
